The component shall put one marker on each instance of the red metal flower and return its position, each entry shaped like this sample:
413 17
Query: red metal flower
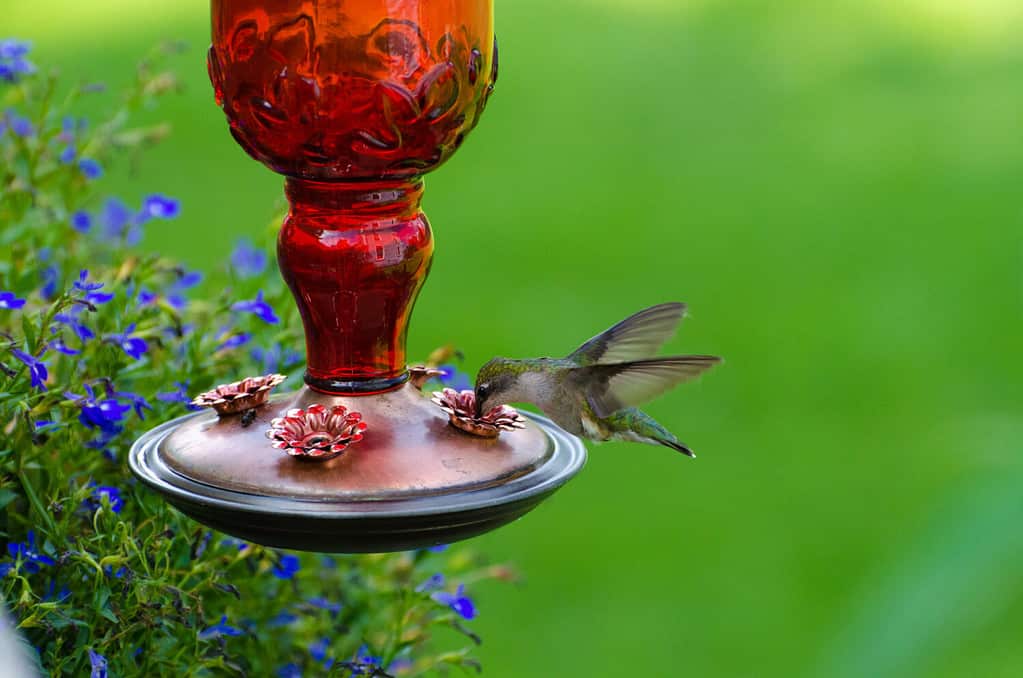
316 432
240 395
461 409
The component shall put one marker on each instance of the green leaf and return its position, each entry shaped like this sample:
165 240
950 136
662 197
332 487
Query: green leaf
30 331
6 497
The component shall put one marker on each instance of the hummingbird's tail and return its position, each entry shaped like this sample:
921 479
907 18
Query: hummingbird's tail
637 426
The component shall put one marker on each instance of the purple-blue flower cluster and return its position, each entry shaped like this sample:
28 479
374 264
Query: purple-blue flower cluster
105 414
101 492
89 335
460 603
10 301
221 628
248 261
116 220
27 553
133 346
36 367
259 308
287 567
19 126
13 61
98 664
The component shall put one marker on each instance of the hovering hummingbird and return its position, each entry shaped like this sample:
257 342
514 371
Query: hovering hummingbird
595 391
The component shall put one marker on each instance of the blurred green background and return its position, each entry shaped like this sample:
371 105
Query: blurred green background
834 187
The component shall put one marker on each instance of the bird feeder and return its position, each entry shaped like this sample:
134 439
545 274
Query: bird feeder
353 102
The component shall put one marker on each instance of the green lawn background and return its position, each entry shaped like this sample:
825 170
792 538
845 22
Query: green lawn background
834 187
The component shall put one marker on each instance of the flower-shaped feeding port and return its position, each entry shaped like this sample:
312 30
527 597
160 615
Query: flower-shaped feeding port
461 409
239 396
418 375
317 432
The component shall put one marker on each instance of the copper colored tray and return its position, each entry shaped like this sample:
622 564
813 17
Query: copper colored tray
412 482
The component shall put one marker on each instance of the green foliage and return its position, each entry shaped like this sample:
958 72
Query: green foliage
100 341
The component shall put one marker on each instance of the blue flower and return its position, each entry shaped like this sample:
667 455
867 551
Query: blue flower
138 403
235 340
71 320
104 415
90 169
276 358
318 651
287 567
12 49
364 663
90 289
12 60
219 629
36 368
112 494
364 657
257 307
291 670
10 301
179 395
26 552
49 276
248 261
56 595
98 663
83 284
21 127
135 347
81 221
67 156
103 441
145 297
457 601
114 217
231 542
432 584
439 548
324 604
67 130
59 346
454 378
281 619
116 574
186 280
158 206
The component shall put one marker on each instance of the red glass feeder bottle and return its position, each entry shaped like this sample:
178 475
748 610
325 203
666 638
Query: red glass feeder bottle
353 101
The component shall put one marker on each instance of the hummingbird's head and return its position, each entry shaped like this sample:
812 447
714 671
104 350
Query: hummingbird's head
496 384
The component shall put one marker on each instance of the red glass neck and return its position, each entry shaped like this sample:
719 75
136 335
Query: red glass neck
355 255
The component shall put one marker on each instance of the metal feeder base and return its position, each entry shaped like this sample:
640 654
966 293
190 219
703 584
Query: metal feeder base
414 481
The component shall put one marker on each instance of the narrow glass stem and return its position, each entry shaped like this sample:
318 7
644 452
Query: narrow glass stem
355 255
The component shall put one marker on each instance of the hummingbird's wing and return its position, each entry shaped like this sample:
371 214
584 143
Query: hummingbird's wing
638 336
610 388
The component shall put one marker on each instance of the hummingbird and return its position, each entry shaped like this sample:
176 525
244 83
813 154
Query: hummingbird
595 391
